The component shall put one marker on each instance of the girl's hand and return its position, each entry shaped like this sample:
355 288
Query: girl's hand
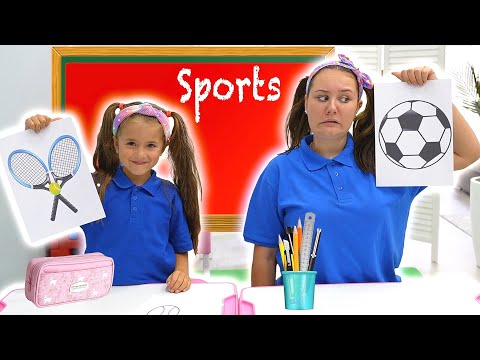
416 76
38 122
178 281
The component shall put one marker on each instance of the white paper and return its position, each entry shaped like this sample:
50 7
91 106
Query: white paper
34 206
414 134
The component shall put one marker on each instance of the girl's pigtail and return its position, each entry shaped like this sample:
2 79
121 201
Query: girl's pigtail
185 175
105 157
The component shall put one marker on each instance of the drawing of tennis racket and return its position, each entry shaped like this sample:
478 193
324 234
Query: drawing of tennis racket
63 162
30 171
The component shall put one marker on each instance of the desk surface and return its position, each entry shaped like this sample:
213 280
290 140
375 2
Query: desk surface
149 299
451 295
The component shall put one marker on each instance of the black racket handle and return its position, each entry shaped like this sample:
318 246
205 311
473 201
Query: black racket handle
54 208
55 205
66 202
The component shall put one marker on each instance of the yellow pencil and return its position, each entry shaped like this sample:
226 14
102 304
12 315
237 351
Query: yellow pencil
296 252
282 252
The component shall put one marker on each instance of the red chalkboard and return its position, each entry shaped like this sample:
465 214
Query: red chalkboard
234 100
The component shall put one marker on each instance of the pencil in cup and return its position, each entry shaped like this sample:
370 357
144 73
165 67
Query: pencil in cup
299 234
282 252
296 250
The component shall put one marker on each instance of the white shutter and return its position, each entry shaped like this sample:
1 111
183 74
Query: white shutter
381 60
400 57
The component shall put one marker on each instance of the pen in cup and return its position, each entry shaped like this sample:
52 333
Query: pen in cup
313 255
288 255
289 232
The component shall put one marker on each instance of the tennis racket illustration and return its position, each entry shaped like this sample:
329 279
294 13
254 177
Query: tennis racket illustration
63 162
30 171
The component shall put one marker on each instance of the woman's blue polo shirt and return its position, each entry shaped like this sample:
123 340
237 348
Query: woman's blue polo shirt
143 229
363 226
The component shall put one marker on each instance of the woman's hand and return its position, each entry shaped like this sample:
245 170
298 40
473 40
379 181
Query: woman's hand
416 76
178 281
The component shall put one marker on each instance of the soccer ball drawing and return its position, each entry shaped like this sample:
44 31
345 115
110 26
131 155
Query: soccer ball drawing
415 134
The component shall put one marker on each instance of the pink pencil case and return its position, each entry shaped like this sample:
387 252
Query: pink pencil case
65 279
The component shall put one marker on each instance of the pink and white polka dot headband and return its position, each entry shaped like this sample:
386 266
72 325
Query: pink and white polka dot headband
363 79
144 109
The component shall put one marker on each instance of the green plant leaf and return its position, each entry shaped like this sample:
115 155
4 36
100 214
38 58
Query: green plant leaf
468 87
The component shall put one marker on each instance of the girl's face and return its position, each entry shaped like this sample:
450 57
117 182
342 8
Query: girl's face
139 144
332 103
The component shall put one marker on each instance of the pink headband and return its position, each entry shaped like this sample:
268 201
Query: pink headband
144 109
363 79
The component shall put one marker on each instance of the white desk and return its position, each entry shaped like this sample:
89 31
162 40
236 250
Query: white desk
152 299
432 295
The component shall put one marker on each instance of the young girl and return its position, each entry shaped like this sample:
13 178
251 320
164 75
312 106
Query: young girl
151 223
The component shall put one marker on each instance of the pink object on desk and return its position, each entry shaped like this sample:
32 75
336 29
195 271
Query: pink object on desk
198 281
245 307
204 243
65 279
230 305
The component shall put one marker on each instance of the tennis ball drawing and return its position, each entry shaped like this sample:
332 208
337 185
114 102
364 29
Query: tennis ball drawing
54 188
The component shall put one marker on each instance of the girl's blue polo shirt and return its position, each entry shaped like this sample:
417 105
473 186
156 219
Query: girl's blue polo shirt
363 226
143 229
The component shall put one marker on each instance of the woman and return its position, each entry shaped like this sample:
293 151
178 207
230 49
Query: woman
330 172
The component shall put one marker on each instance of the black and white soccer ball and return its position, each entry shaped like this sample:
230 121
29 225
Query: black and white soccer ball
415 134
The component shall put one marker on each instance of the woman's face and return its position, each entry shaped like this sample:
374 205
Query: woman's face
332 103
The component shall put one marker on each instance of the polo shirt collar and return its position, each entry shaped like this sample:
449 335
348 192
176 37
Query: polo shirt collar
314 161
122 181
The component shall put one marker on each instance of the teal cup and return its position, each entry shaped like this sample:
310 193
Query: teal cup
299 289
